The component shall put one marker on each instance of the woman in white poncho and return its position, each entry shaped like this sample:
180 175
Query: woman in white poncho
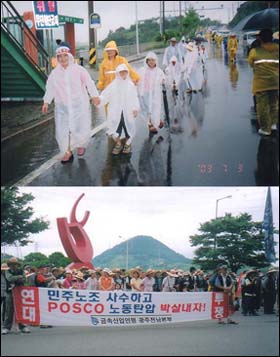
69 85
123 107
150 92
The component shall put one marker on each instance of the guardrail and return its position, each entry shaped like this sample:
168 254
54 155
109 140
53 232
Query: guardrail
126 51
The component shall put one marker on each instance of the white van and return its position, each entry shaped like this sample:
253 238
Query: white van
247 39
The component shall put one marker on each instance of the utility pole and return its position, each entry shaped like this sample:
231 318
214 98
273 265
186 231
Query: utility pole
163 19
180 17
92 32
137 31
160 18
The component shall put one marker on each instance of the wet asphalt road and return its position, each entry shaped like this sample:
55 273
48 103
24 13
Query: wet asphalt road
212 140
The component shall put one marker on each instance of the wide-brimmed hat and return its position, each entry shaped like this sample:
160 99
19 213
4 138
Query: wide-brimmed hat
13 261
172 273
190 46
149 272
106 270
251 271
80 275
173 39
4 266
271 270
134 270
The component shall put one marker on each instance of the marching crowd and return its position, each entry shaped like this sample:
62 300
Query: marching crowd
251 290
124 93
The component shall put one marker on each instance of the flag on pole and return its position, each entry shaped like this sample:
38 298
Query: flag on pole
267 226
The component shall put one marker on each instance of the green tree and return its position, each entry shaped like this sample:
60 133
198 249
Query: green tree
59 260
35 259
16 217
236 241
191 22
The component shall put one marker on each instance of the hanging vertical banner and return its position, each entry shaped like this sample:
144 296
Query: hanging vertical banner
45 14
267 226
70 307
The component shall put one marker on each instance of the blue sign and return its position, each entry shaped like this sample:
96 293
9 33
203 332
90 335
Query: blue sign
95 21
46 14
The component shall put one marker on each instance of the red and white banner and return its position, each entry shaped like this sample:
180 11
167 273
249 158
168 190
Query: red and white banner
61 307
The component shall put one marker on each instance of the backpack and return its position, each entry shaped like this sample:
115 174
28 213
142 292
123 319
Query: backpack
211 282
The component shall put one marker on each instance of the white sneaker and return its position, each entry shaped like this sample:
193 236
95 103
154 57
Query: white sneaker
5 331
274 127
25 330
262 132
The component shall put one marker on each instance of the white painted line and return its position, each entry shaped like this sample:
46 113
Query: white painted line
48 164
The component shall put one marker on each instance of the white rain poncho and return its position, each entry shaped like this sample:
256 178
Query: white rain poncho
121 96
150 91
169 52
173 72
69 88
193 65
182 48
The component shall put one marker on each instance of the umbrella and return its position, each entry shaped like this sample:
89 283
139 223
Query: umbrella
165 104
200 39
268 18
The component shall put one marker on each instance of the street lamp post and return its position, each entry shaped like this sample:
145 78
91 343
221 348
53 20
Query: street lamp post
217 202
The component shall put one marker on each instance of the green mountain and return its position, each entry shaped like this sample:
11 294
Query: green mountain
143 251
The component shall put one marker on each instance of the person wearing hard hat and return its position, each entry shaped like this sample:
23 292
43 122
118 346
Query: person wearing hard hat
265 63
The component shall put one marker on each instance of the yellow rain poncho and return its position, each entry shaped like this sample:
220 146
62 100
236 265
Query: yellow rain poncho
265 63
107 68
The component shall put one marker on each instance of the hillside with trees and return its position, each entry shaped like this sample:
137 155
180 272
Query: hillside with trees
143 251
149 30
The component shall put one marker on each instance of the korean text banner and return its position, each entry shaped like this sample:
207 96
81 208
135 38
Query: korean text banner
61 307
46 14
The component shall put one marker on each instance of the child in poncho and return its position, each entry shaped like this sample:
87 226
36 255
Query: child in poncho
69 85
123 106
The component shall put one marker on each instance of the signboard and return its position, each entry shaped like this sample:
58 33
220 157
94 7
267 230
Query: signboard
70 307
94 21
73 20
45 14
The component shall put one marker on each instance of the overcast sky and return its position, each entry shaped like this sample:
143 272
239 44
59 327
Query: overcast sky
170 215
115 14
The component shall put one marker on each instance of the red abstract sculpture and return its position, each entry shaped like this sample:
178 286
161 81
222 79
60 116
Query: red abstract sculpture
75 239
